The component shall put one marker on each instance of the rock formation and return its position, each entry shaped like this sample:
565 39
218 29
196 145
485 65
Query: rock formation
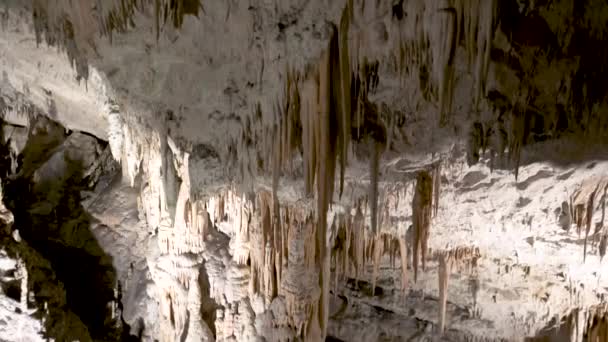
185 170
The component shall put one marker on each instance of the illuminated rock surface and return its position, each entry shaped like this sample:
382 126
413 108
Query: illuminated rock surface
181 170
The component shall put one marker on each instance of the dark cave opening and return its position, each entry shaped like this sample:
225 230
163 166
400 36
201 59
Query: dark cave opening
85 270
51 220
208 309
12 289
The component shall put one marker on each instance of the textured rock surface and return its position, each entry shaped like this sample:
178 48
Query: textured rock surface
307 170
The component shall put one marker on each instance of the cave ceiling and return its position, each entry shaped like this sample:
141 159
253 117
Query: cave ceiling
311 170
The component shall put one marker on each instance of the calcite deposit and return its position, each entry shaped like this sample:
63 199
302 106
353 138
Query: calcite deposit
303 170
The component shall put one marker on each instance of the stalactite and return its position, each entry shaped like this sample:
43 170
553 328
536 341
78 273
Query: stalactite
421 214
345 91
603 245
309 129
403 253
581 324
436 187
70 24
359 242
460 256
377 252
486 14
589 220
444 276
583 202
339 253
517 137
464 255
373 186
448 52
325 172
468 21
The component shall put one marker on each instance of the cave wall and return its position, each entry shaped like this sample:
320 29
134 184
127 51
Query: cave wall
280 163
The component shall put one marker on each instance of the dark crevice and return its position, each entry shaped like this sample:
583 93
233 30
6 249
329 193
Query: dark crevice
208 305
364 287
52 221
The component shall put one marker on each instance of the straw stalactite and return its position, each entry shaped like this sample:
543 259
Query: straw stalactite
436 174
444 276
373 185
404 258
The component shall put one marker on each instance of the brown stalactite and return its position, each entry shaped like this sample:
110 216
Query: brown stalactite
404 258
421 214
589 220
459 257
444 276
345 92
583 203
373 186
436 187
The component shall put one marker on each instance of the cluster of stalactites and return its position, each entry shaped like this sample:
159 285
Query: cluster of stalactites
285 257
316 114
457 257
472 22
355 248
268 245
582 205
596 325
66 25
74 25
433 43
313 117
580 324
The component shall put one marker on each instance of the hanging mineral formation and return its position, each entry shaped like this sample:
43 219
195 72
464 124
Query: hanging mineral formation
444 276
458 257
73 25
583 203
421 216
